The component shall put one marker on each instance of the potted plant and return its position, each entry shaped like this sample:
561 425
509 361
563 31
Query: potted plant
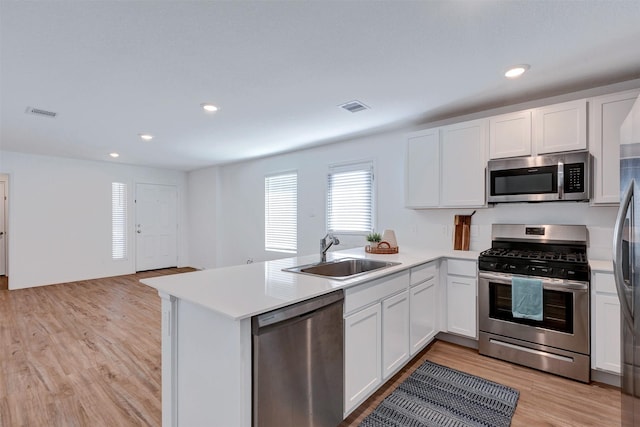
374 239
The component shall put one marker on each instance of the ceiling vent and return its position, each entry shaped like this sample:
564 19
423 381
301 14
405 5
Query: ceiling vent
40 112
354 106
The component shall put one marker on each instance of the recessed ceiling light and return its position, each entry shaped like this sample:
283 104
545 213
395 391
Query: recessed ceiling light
114 155
145 136
210 108
516 71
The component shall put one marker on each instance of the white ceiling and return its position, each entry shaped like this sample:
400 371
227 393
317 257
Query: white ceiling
278 69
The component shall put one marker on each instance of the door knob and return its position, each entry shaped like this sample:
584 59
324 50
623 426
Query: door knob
139 230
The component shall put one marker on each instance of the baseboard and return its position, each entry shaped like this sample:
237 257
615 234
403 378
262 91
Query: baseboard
457 339
606 378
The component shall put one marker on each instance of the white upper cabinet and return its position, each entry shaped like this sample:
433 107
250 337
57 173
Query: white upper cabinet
463 164
422 185
510 135
560 127
606 114
445 167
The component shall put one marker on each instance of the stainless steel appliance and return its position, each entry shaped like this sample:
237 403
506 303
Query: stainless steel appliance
626 265
298 364
557 256
552 177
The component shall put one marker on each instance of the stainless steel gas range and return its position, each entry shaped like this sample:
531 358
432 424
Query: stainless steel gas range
553 257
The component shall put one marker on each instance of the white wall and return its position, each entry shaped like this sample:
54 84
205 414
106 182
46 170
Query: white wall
203 212
60 217
241 198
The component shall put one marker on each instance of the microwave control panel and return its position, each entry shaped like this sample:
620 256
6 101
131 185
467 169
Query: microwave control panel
574 178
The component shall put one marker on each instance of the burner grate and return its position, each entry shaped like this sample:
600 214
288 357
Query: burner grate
575 257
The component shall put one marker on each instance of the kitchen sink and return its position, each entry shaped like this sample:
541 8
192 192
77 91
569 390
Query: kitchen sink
342 268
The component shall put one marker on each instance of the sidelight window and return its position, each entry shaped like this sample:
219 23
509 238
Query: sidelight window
118 220
281 212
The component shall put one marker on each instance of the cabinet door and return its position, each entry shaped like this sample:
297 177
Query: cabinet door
422 314
606 116
461 306
510 135
607 333
362 355
395 333
422 186
560 127
463 164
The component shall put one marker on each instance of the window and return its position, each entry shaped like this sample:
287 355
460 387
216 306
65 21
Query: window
118 220
281 212
350 198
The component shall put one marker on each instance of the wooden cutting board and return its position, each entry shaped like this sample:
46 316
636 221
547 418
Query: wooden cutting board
462 233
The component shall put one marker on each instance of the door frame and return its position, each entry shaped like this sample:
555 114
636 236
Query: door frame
4 180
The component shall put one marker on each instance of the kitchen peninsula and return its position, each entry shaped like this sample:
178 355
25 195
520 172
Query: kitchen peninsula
206 325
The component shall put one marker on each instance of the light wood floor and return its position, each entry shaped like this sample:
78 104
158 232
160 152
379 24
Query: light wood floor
88 354
81 354
545 400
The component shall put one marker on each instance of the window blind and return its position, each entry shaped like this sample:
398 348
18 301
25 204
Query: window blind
118 220
350 198
281 212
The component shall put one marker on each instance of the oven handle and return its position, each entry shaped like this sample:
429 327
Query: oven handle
568 286
625 205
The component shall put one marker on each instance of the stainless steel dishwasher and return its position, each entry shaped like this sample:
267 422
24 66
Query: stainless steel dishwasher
298 364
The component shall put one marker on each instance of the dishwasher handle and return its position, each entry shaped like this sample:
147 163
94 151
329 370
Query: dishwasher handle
295 310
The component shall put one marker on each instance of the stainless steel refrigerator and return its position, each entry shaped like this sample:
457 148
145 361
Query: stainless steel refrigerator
626 265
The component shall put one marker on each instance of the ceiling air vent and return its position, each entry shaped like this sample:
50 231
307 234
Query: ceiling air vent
354 106
40 112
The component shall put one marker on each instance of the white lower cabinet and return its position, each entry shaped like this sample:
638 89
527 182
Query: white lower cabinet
605 345
462 298
395 333
423 313
362 355
387 321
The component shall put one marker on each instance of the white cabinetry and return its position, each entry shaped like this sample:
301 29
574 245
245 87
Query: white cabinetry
422 186
423 296
462 298
510 135
362 355
605 323
550 129
376 335
560 127
395 333
606 116
445 167
463 164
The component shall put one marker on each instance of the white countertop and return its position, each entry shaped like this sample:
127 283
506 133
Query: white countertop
243 291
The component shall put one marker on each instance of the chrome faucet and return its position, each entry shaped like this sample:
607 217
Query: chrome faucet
324 246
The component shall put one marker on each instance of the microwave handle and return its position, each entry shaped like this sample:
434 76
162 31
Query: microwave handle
618 276
560 180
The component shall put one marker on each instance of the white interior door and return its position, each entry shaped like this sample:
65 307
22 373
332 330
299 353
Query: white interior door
156 226
3 231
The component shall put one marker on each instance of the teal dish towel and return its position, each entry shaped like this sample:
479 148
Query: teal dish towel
526 298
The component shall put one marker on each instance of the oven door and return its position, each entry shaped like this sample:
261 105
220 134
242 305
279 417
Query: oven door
565 323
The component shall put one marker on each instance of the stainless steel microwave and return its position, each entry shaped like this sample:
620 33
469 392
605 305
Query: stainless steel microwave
551 177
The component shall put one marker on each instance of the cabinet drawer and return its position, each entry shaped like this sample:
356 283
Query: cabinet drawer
362 295
423 272
461 267
604 282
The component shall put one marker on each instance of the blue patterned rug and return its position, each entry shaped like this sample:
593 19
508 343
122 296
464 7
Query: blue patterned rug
435 395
